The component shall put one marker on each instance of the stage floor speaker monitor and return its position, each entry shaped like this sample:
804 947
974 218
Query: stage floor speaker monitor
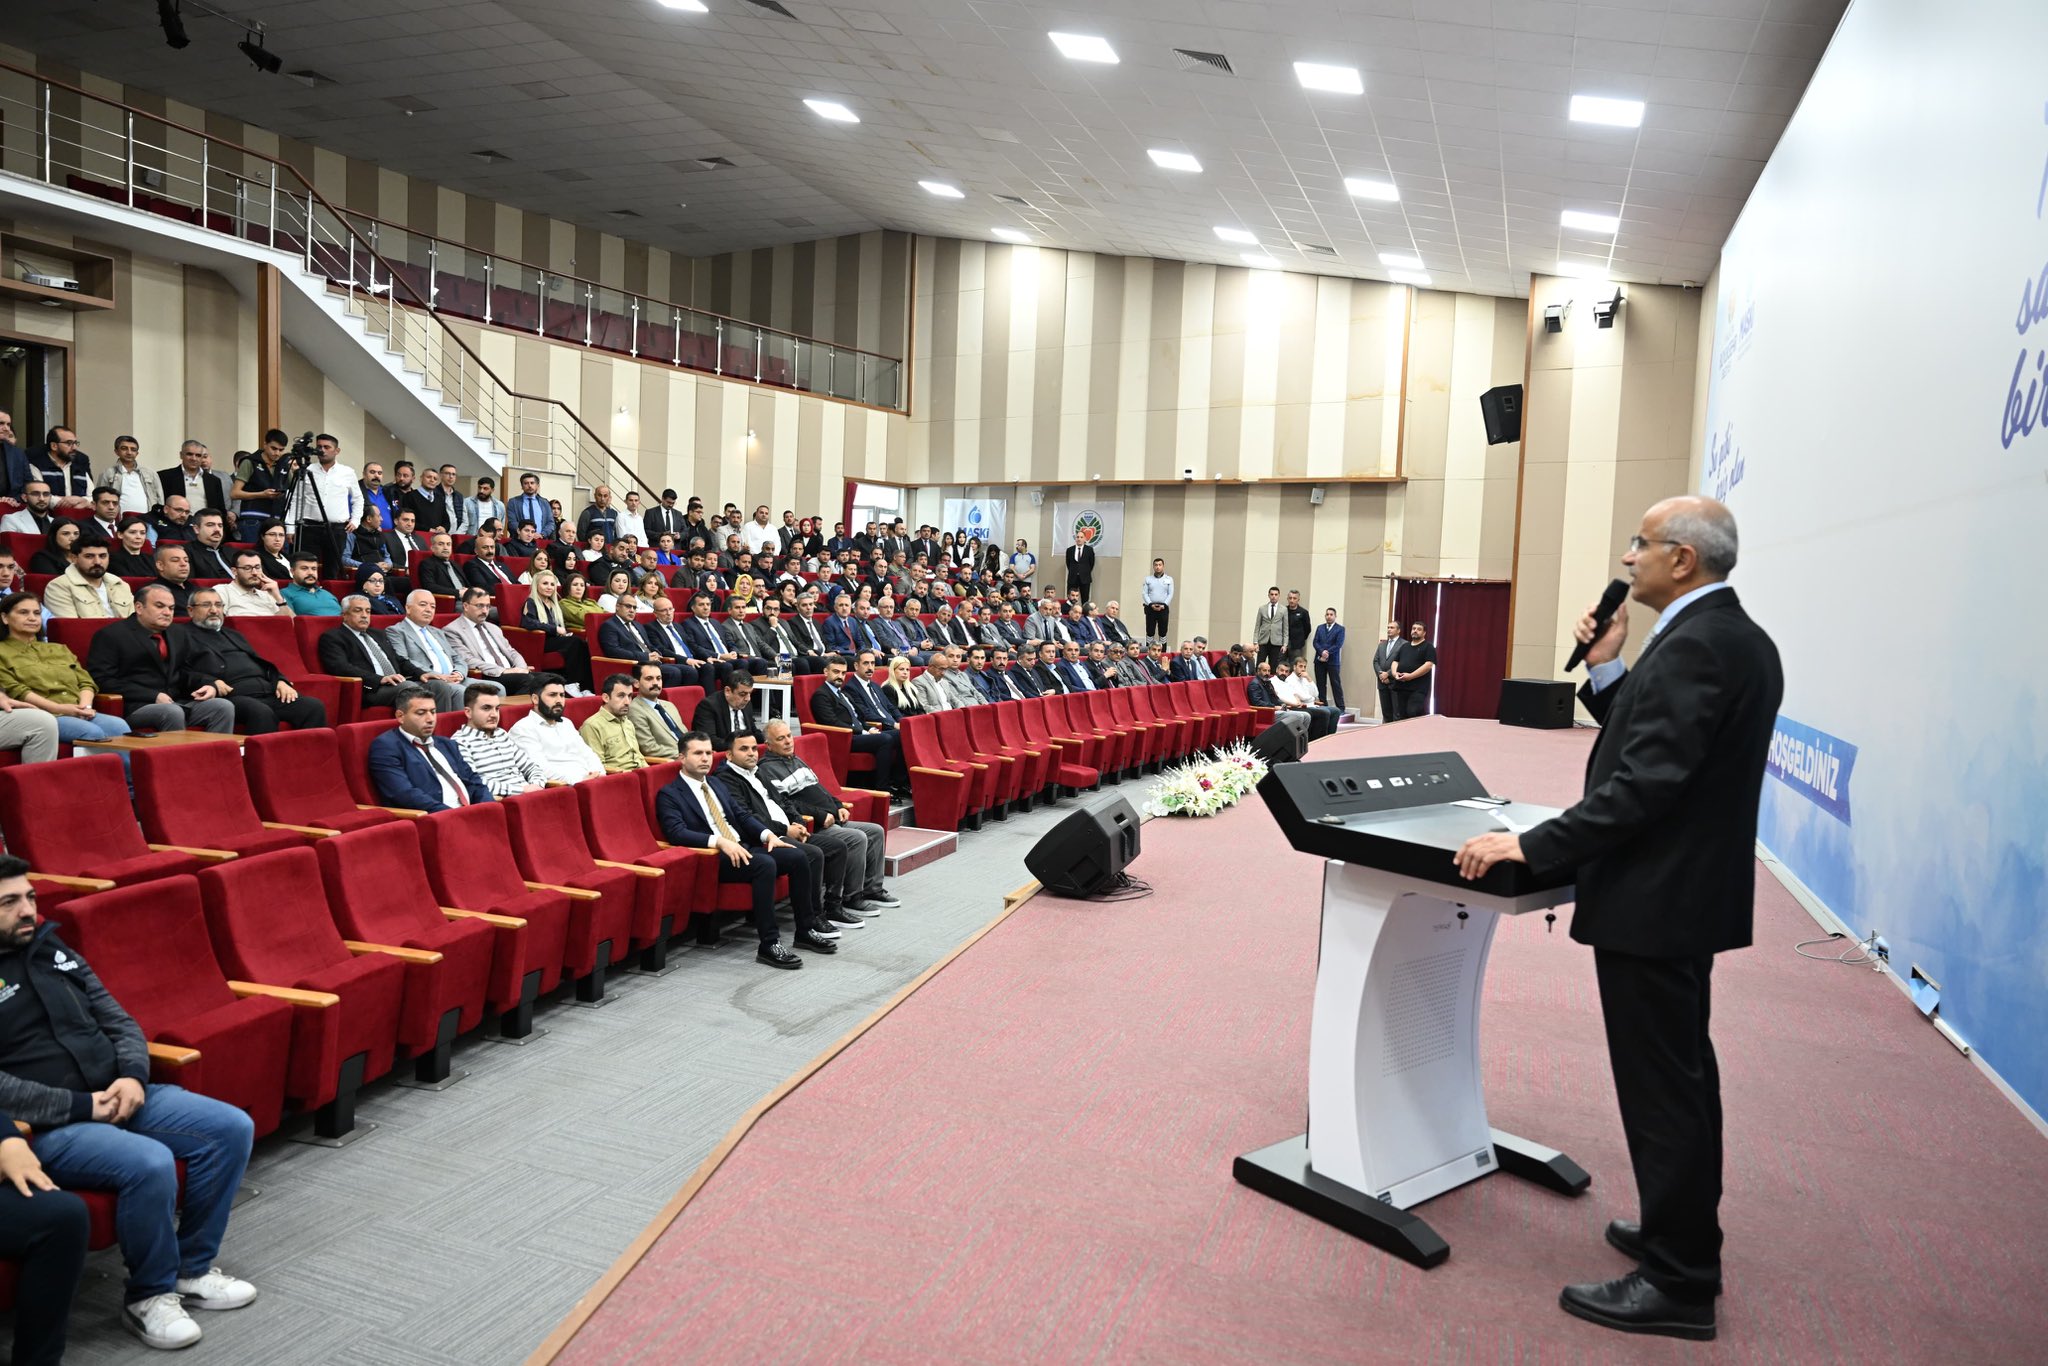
1083 854
1279 743
1502 409
1539 703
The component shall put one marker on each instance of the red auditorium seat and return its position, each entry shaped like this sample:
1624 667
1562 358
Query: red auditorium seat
1102 714
1117 743
1196 708
618 827
469 860
1237 713
1066 755
1006 778
720 896
1029 767
1179 732
277 640
197 795
866 803
149 946
269 923
942 804
1046 718
577 710
296 779
377 888
73 818
354 743
546 829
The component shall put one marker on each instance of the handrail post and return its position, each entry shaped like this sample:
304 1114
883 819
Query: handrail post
433 275
128 153
49 143
718 347
589 313
205 175
272 239
860 383
540 314
760 352
489 288
309 232
634 350
677 315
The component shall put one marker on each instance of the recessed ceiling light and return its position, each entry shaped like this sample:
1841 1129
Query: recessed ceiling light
1409 277
942 189
1172 161
1250 239
1338 80
1400 260
833 110
1083 47
1010 234
1260 260
1582 270
693 6
1615 113
1601 223
1371 189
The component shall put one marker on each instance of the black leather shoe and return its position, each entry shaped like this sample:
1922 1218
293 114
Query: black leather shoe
1626 1237
1633 1305
815 943
778 955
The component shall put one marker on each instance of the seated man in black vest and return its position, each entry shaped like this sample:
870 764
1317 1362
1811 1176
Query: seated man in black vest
224 660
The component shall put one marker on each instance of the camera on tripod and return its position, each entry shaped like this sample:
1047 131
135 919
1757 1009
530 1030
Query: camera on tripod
302 453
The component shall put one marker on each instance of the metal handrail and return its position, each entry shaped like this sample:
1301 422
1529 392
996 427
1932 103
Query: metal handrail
875 379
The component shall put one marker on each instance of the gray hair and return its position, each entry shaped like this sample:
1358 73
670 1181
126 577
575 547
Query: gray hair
770 727
1709 528
362 598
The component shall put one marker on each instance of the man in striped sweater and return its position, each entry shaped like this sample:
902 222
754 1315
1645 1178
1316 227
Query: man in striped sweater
505 766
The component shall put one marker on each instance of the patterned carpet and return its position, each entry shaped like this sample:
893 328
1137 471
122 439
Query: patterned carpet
1030 1159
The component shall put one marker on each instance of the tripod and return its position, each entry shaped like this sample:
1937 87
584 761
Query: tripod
322 537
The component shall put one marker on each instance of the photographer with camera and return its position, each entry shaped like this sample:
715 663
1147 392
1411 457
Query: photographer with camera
323 503
259 485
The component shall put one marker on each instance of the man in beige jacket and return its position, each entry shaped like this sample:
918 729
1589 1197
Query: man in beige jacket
86 589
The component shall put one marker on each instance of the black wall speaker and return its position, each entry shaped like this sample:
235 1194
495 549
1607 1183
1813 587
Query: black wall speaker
1539 703
1279 743
1502 409
1083 854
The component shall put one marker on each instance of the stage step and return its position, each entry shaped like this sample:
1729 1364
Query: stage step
909 848
899 816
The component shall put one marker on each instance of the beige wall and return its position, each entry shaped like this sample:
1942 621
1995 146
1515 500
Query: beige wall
1608 430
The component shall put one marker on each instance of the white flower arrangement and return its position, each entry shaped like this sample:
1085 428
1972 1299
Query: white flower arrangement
1202 787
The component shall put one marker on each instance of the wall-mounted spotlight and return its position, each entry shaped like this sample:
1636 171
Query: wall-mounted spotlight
261 57
173 22
1554 316
1605 309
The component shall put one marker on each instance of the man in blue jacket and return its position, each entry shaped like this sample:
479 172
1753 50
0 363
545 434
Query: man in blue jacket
413 767
1329 648
14 471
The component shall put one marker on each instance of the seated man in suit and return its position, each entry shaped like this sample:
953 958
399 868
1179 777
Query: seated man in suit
1074 669
713 645
725 712
859 708
799 790
1096 661
174 573
621 636
438 573
209 534
841 632
481 645
657 725
1047 673
946 629
978 675
430 653
1190 665
410 766
1259 692
770 636
137 659
746 796
485 569
356 649
1021 672
692 815
224 660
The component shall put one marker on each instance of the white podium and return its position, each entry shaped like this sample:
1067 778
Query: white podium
1396 1109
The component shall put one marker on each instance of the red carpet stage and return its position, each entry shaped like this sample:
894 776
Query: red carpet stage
1030 1158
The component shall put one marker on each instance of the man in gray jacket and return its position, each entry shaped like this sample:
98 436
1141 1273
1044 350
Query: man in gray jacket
74 1067
799 790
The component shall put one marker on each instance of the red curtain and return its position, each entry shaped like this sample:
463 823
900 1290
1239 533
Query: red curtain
1468 623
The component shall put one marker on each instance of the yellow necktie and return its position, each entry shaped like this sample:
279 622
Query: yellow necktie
717 813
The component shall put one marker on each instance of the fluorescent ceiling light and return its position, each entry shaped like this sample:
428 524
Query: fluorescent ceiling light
1338 80
1083 47
1400 260
1409 277
1582 270
1172 161
833 110
1371 189
1615 113
1250 239
1600 223
1010 234
942 189
1260 260
693 6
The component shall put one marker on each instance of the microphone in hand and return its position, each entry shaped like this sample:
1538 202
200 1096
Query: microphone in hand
1598 619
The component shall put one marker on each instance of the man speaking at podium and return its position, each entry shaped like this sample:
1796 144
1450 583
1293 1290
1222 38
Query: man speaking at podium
1663 846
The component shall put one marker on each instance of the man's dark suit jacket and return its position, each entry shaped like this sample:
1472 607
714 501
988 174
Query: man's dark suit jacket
714 718
224 654
340 654
1080 561
681 817
1298 624
953 632
429 513
14 472
615 640
123 659
1664 841
403 777
437 576
211 493
207 563
1048 680
477 574
985 683
745 810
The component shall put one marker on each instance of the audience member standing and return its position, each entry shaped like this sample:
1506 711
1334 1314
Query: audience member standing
14 471
1080 562
64 467
139 489
1269 630
200 486
325 507
1384 656
1157 595
1299 625
1412 668
1329 647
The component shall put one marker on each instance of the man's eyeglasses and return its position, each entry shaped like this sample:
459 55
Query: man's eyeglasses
1638 544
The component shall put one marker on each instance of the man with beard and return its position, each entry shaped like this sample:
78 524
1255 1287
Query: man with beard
507 767
85 588
225 661
550 737
253 594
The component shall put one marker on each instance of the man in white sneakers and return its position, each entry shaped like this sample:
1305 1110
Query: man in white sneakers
74 1067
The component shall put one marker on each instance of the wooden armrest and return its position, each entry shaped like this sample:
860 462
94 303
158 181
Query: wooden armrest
210 855
971 764
829 730
941 773
573 893
555 782
503 922
76 884
318 832
638 868
403 955
867 792
317 1000
171 1055
410 813
663 844
347 678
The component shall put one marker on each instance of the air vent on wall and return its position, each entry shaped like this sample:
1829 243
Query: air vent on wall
771 7
1191 60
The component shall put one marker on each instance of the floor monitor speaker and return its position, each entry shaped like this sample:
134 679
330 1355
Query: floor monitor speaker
1502 409
1279 743
1539 703
1082 855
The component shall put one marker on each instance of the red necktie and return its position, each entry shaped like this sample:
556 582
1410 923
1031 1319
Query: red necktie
163 649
